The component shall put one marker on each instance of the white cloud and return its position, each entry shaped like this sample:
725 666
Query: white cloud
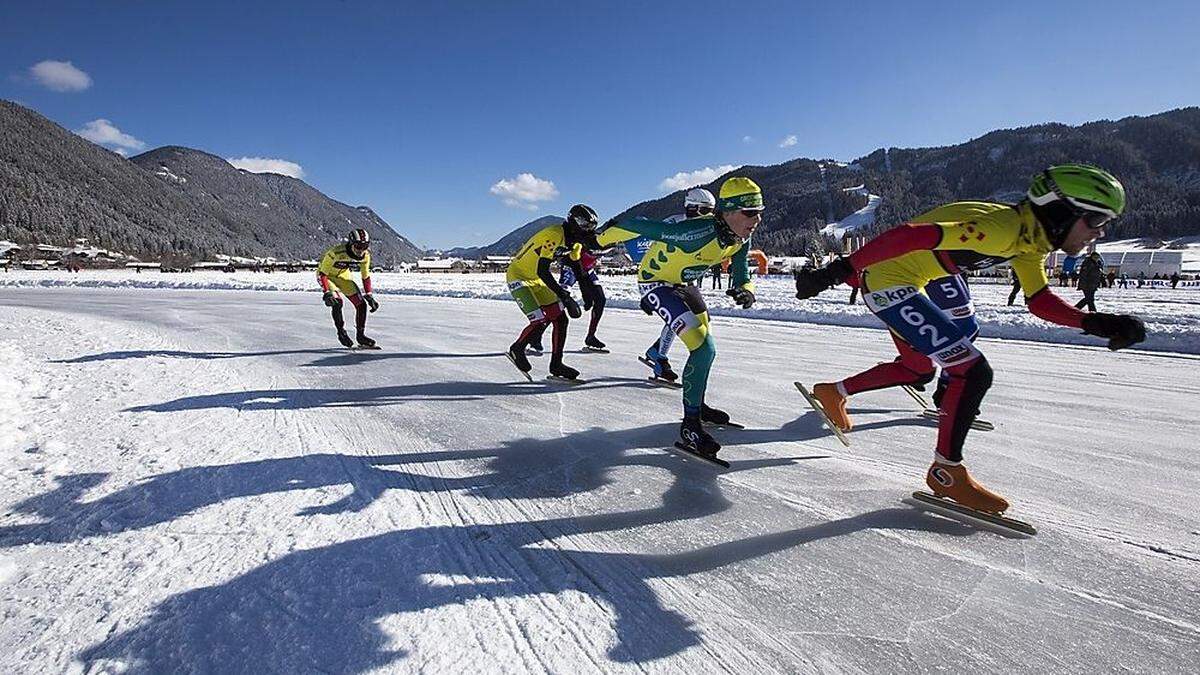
60 76
104 132
687 179
268 165
789 141
747 139
525 191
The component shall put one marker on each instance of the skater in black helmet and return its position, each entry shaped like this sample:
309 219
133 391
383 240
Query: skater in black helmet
335 274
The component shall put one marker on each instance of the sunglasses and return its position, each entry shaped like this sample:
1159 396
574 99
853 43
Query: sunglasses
703 210
1094 220
751 213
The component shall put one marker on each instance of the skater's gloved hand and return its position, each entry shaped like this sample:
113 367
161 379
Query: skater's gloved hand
329 299
742 296
810 281
1122 330
372 303
572 307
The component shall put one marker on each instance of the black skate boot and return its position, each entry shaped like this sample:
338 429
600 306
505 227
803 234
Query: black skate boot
516 354
344 338
594 344
694 440
365 342
710 415
560 371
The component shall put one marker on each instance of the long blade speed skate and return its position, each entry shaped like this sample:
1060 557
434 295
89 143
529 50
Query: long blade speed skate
816 405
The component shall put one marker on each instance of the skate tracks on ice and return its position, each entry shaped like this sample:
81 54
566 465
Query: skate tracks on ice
203 482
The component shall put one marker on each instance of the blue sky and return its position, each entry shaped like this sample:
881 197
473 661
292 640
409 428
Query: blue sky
431 114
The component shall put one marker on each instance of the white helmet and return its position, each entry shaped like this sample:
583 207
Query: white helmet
699 197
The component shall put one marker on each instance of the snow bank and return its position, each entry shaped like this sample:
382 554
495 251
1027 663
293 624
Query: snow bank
1172 316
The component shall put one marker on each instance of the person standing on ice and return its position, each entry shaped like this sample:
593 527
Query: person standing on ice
681 253
1066 208
539 295
697 203
334 274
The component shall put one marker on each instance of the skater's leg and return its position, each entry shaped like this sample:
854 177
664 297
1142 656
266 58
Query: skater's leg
558 338
339 322
910 368
666 338
598 302
968 382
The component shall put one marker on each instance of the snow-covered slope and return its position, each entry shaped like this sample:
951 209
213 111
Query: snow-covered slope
211 488
861 218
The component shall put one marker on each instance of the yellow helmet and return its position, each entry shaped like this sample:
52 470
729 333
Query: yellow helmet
739 193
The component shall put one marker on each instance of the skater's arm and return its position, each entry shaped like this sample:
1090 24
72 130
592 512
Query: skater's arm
543 272
1030 271
896 242
739 268
689 235
323 280
364 269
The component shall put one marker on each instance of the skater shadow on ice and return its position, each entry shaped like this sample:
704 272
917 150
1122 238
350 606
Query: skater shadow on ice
522 468
298 399
334 356
365 604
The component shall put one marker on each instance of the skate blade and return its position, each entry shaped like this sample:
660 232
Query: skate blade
514 362
1008 527
707 458
664 383
595 350
935 415
534 352
565 380
727 425
816 405
374 348
916 395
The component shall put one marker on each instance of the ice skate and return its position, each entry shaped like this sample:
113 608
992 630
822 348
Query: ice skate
834 404
952 481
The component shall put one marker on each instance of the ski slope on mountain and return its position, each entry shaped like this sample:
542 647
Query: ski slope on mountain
199 481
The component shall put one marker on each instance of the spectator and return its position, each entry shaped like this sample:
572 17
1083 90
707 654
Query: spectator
1091 277
1016 288
1062 277
1124 280
716 275
1112 278
1141 279
1174 279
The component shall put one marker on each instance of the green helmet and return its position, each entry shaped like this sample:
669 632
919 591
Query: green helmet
1064 193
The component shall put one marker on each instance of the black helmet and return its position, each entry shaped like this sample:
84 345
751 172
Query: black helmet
359 237
581 218
357 242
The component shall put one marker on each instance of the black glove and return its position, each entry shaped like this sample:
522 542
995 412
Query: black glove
1122 330
645 306
329 299
742 296
371 302
572 307
810 281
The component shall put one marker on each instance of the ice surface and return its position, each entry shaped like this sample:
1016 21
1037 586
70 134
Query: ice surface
224 490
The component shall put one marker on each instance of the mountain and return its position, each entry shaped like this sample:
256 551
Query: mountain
56 186
1157 158
509 243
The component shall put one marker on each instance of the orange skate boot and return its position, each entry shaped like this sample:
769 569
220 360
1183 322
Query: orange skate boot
953 481
834 404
